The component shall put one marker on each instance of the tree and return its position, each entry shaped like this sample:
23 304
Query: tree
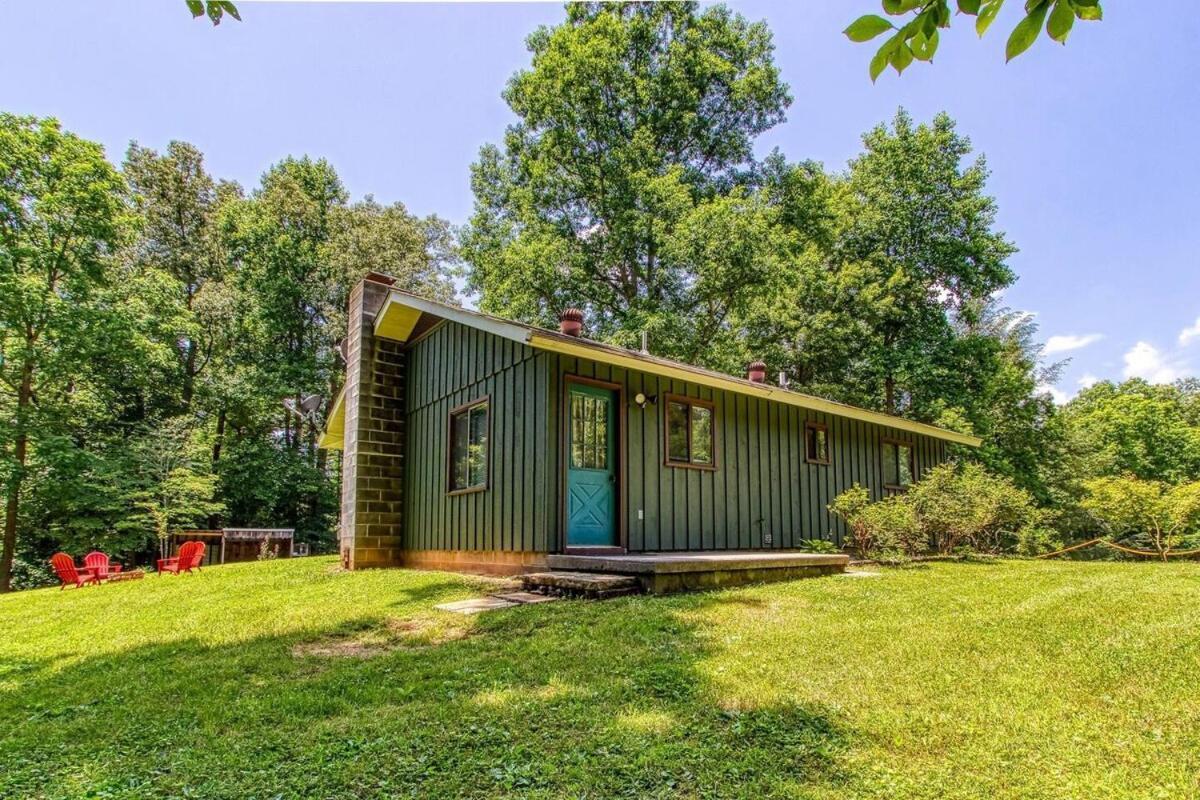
176 487
917 38
178 201
370 237
62 215
1144 512
890 273
921 232
632 120
1134 428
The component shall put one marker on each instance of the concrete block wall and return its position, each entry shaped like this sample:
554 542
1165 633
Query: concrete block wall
372 511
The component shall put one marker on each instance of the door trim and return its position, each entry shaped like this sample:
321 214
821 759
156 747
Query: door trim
564 456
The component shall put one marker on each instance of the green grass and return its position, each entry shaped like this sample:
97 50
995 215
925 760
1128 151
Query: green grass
291 679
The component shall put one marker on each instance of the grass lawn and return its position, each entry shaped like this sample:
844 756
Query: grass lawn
292 679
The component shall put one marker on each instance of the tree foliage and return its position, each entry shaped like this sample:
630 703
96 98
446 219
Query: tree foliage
612 190
915 36
152 320
215 10
1144 513
62 215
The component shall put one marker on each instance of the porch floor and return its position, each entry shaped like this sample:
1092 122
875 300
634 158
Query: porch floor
671 572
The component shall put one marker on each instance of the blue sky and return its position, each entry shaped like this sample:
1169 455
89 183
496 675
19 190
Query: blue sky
1092 146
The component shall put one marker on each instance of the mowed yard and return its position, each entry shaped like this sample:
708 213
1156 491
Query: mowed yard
293 679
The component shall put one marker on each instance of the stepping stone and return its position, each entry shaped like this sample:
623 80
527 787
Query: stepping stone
476 605
525 598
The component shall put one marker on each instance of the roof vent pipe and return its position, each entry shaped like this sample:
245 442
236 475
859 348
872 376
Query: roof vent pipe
757 372
646 342
783 381
570 321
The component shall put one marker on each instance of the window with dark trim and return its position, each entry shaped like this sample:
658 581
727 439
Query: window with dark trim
897 464
690 433
469 447
816 443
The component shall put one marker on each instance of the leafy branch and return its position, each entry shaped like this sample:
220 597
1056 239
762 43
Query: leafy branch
214 9
917 39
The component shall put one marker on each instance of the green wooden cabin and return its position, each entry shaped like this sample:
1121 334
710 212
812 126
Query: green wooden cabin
472 442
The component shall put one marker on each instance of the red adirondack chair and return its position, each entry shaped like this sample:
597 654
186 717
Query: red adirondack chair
64 567
181 562
198 556
100 565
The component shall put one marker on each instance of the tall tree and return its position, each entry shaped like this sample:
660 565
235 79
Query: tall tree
632 119
370 237
921 229
279 240
62 215
178 201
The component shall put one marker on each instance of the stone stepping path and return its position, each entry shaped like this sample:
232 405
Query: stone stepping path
478 605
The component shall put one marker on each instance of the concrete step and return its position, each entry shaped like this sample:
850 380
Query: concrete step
589 585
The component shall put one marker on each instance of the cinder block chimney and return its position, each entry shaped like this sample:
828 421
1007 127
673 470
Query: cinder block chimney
371 525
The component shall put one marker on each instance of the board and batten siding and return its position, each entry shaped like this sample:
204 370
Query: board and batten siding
450 366
762 494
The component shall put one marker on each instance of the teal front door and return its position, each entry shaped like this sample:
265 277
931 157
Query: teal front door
591 466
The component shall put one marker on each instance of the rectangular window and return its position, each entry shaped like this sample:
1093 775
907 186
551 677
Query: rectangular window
816 443
690 432
897 465
469 447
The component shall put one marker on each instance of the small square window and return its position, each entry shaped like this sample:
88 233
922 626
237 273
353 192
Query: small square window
469 447
816 443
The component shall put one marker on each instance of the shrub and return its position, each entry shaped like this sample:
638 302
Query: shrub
965 506
886 528
818 546
955 508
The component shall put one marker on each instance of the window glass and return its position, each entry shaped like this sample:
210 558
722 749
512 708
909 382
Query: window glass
817 444
690 433
589 432
702 435
468 447
904 462
678 448
897 464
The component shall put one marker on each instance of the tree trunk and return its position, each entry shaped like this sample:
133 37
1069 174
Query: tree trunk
220 437
189 374
218 441
9 550
889 395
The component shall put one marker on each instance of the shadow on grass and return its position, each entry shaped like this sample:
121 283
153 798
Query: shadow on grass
561 700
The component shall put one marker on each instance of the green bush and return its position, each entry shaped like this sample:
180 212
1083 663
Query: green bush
888 528
963 506
955 508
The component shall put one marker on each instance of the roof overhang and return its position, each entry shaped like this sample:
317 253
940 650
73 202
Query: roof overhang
629 359
335 424
401 312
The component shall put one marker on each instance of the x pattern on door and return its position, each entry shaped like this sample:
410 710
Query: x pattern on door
589 505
